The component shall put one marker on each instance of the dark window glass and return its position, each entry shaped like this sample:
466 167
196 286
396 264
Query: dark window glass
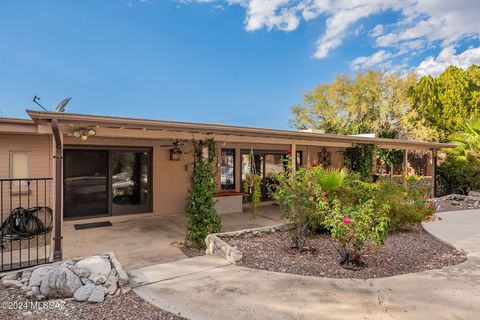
227 168
130 182
86 176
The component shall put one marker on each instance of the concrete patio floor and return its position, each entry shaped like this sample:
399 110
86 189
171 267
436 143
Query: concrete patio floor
209 288
148 241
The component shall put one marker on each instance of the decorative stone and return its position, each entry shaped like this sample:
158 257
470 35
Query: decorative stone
97 295
122 275
86 281
25 288
10 276
37 276
80 271
40 297
29 295
112 278
474 194
84 292
12 283
60 283
99 267
112 289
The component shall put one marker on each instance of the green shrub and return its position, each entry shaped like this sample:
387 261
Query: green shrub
202 218
408 206
302 200
252 187
357 229
458 175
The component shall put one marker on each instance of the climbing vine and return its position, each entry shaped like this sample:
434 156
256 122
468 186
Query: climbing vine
202 217
359 159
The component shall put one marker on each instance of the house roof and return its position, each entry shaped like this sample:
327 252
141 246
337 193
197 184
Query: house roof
41 117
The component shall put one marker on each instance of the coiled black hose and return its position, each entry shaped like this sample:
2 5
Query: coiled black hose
24 223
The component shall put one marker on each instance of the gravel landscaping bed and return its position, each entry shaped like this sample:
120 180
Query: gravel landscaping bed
125 306
456 203
404 252
192 251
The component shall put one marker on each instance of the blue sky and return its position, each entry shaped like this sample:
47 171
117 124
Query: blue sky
242 62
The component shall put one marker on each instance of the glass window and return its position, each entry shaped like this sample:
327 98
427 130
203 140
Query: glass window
227 168
19 164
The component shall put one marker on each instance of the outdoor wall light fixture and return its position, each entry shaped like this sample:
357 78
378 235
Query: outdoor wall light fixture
175 152
84 133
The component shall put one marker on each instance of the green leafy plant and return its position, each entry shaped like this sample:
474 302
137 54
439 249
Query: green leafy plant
202 218
357 229
458 175
407 206
302 200
252 186
330 179
359 159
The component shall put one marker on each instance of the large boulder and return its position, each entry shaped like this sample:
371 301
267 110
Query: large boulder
83 292
97 295
60 283
99 267
37 276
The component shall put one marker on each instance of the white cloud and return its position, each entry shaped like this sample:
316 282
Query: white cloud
421 24
447 57
367 62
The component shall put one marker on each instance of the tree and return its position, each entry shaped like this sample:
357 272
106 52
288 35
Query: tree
443 103
370 102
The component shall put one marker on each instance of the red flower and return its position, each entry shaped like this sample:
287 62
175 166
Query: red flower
325 198
431 206
313 165
288 152
346 220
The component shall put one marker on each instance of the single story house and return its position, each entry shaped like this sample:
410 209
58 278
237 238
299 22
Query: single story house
100 167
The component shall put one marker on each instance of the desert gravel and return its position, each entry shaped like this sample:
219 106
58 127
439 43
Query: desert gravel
123 306
404 252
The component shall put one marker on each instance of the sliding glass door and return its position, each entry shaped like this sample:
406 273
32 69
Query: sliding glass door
106 182
130 182
85 183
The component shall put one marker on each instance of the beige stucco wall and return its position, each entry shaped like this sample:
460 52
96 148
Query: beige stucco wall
41 166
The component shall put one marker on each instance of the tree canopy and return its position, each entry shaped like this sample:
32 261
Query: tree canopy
393 105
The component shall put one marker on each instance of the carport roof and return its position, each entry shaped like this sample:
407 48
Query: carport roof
41 117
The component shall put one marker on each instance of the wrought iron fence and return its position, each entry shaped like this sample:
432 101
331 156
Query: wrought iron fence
26 222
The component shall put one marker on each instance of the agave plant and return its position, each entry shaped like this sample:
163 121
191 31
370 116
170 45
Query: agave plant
468 141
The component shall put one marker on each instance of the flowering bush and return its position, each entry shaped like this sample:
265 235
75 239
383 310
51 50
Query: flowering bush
357 230
299 196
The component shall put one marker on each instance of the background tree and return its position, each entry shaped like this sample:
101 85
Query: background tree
370 102
443 103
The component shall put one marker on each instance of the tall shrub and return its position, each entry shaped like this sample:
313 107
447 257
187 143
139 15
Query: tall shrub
202 218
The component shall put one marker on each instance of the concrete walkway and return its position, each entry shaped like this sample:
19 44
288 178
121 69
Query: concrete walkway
209 288
149 241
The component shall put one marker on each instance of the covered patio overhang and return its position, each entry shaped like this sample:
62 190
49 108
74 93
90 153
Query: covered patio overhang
116 127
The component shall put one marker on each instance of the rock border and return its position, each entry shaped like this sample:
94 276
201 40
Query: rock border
87 279
217 246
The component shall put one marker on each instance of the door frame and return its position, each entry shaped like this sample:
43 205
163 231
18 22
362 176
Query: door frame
109 149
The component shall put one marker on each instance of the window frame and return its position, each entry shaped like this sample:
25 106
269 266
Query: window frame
20 187
228 187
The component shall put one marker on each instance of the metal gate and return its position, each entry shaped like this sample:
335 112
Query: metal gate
26 222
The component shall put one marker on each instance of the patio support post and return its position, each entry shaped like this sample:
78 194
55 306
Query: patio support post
434 172
293 149
57 231
405 165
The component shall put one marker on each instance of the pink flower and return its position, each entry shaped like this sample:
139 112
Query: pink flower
346 220
325 198
313 164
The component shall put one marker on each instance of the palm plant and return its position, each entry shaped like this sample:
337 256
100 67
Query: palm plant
330 179
468 141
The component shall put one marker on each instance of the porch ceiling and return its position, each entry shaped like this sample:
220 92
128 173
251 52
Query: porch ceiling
154 129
